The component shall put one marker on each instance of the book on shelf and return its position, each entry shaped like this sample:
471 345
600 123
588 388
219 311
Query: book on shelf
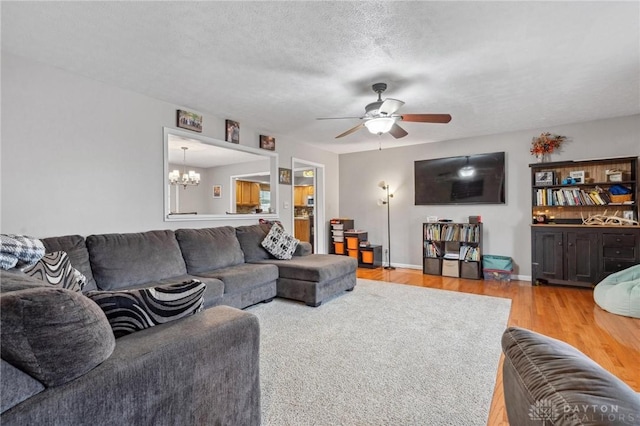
573 197
432 249
469 253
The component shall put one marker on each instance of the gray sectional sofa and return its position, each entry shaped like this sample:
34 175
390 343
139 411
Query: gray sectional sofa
65 367
547 381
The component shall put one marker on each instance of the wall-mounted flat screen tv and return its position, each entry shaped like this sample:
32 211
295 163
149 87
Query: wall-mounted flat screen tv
467 179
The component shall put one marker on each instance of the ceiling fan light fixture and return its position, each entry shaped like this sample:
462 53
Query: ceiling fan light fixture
380 125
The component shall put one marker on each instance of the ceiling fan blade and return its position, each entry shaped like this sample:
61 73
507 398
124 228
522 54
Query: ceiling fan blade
427 118
397 131
337 118
389 106
351 130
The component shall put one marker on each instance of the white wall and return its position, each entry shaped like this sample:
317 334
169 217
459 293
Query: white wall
83 157
506 227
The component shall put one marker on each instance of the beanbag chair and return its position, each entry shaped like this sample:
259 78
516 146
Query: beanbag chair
619 293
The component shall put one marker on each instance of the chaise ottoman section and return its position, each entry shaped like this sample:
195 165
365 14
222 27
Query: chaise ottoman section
314 278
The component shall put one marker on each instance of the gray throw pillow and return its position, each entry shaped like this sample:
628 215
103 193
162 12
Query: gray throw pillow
55 269
279 243
53 334
250 238
133 310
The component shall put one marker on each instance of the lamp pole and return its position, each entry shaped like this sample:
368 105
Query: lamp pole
389 267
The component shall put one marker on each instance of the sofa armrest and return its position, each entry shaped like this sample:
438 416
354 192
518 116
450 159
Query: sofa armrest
545 379
304 249
206 366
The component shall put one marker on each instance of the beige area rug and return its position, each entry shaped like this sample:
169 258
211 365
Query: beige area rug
384 354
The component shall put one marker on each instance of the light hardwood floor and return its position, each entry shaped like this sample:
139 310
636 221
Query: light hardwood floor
565 313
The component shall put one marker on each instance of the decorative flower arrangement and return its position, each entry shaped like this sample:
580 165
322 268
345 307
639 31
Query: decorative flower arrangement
546 143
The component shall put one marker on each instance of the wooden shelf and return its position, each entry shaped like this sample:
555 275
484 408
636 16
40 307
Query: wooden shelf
452 249
565 251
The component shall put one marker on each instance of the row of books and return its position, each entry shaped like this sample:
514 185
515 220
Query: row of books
452 232
470 253
571 197
466 252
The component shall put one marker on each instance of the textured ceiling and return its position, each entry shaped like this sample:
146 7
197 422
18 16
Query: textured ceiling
277 66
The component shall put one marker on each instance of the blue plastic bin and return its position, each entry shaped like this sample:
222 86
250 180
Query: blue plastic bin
491 261
497 268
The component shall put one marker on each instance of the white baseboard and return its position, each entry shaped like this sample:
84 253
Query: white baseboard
513 277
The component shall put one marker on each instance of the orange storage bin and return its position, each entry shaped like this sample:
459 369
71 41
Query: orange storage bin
339 248
367 257
353 253
352 243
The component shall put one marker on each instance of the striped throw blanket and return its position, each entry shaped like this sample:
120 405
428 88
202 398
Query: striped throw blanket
19 251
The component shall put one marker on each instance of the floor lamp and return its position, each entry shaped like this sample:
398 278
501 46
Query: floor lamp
385 187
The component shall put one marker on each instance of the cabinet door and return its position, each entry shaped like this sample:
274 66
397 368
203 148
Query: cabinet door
582 256
298 193
238 192
548 254
254 197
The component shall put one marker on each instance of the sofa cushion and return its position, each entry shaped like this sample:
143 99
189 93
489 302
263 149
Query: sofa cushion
250 238
16 386
209 248
121 260
315 267
76 249
279 243
55 269
53 334
239 278
129 311
545 379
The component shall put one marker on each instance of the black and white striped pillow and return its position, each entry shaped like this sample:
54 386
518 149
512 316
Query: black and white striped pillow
55 269
129 311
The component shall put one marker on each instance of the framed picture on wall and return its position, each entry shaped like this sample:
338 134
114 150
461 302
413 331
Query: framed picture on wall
268 142
190 121
284 176
217 191
232 133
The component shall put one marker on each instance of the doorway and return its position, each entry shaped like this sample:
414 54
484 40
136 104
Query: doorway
308 203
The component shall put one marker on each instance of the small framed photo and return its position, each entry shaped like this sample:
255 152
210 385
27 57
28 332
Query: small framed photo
217 191
628 214
284 176
545 178
268 142
190 120
577 176
232 133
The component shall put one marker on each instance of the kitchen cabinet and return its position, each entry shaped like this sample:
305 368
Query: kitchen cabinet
247 193
302 230
300 195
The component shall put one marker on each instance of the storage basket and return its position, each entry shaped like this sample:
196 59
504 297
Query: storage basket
496 275
620 198
492 261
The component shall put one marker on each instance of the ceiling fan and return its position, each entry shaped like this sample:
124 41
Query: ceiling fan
380 116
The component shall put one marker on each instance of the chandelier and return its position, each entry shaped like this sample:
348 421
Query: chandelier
187 179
